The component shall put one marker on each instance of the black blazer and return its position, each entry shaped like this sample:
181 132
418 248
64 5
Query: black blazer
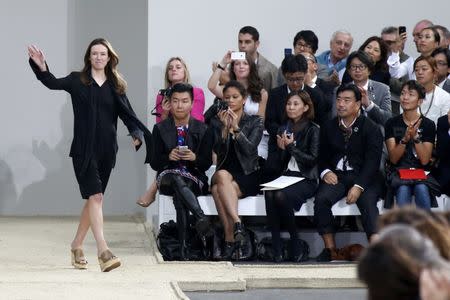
305 152
443 153
85 114
246 142
276 106
199 140
363 151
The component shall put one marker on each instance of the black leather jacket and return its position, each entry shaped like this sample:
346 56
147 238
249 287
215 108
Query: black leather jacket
305 150
246 145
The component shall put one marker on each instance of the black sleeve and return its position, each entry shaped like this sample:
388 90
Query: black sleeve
428 133
373 147
272 122
443 138
249 143
324 149
388 129
321 107
203 152
160 157
50 81
307 158
128 117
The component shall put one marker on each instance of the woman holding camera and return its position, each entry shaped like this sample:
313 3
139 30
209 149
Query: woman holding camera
244 71
182 148
296 155
236 138
176 72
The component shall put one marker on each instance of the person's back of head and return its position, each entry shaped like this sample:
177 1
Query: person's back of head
391 265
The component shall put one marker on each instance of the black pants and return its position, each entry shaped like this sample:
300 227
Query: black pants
327 195
184 192
280 208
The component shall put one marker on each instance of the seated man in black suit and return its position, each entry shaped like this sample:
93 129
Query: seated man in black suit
349 157
294 68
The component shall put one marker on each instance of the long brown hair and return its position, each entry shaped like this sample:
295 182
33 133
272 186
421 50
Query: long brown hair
111 72
255 84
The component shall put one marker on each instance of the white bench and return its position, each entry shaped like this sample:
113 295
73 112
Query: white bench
255 206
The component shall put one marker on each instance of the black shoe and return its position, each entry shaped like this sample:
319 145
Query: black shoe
239 232
324 256
203 227
298 253
278 259
228 250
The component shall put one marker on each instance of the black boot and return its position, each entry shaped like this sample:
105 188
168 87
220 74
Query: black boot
182 226
228 250
187 196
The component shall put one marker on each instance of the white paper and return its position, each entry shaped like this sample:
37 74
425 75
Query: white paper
280 183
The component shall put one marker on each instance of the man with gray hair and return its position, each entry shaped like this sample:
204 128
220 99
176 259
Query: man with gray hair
335 59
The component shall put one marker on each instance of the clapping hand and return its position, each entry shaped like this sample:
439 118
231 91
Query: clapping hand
37 56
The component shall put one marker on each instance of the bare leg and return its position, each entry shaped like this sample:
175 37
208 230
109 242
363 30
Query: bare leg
227 225
228 193
328 240
149 196
95 203
83 228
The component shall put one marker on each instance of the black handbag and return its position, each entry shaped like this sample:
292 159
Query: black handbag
169 244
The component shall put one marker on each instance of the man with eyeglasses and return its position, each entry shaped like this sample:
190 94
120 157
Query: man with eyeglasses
396 44
305 41
335 59
442 57
294 69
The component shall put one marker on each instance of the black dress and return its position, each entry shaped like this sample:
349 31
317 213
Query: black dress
96 110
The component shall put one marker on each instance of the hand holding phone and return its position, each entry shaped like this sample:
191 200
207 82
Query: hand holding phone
237 55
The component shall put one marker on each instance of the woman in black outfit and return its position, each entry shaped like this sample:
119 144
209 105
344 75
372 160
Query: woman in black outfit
296 155
98 99
182 152
236 139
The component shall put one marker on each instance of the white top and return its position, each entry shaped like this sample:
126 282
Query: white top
397 69
436 106
251 108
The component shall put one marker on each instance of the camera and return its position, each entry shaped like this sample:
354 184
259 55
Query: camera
213 110
165 92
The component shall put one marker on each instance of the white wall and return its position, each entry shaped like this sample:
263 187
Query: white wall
201 31
36 175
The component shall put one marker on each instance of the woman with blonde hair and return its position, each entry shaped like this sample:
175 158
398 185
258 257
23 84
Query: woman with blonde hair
98 99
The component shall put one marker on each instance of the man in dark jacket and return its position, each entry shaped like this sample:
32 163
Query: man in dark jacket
349 157
294 68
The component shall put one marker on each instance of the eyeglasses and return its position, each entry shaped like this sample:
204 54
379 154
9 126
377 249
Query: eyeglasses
303 45
358 67
388 42
295 79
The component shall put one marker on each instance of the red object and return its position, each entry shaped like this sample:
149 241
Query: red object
412 174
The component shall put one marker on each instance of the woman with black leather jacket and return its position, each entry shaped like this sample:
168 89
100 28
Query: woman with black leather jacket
296 155
237 136
182 150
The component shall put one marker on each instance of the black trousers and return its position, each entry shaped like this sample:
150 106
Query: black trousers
184 192
281 205
327 195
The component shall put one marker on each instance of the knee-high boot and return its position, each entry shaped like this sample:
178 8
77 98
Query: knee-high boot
182 226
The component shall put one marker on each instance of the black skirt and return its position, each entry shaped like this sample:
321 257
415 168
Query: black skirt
94 179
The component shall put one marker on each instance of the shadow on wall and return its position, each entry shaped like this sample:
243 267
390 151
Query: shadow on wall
57 192
8 193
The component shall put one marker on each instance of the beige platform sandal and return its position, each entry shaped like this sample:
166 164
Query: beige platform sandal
108 261
78 259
